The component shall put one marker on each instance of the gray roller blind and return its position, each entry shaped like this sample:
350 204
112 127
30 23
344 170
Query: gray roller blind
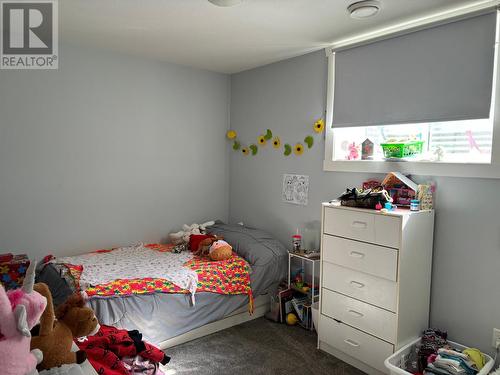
439 74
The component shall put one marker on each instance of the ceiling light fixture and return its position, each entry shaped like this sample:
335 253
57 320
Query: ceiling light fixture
364 9
225 3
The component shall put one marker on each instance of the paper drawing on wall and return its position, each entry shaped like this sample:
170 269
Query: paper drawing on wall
295 189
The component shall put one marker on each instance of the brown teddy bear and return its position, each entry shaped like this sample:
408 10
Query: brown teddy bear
55 337
215 248
220 250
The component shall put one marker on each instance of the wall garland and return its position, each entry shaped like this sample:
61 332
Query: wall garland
263 139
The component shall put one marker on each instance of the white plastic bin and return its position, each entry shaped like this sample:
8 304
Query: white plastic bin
393 363
315 314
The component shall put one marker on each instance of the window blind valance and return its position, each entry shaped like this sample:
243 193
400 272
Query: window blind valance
438 74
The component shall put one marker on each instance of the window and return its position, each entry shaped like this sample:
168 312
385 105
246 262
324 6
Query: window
468 141
421 97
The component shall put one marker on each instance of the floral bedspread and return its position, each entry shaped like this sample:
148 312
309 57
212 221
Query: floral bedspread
231 276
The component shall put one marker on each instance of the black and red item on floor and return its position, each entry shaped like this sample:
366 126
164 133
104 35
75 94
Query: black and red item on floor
107 347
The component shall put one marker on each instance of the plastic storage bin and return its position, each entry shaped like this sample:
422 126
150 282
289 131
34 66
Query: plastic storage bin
394 362
402 150
315 314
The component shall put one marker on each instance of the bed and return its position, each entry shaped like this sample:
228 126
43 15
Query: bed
168 319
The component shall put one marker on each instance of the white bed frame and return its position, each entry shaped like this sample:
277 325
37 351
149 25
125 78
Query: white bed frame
261 306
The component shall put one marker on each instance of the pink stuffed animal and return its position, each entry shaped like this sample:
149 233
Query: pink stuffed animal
20 310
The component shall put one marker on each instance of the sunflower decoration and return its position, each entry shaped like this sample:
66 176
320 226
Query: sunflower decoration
262 140
231 134
245 151
298 149
319 126
254 149
276 142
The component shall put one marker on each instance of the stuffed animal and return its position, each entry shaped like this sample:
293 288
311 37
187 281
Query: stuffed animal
187 230
56 336
20 310
220 250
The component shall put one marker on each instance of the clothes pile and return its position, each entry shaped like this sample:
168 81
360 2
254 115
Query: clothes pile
434 356
114 351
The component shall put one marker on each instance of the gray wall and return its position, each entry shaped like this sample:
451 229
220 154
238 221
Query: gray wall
108 150
287 97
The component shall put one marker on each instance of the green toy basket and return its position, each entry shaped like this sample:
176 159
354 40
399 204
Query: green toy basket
402 150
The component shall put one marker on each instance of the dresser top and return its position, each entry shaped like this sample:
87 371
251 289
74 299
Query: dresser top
398 212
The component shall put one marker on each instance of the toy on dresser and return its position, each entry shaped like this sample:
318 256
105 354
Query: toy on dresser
20 311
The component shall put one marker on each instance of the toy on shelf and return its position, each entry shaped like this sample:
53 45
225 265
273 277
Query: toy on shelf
401 189
353 152
367 150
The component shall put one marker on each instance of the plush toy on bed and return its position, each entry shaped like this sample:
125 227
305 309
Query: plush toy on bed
55 337
20 310
187 230
220 250
210 246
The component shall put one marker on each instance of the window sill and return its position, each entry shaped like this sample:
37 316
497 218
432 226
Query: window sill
415 168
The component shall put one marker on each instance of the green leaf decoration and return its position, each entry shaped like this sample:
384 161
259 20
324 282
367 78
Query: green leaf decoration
254 149
309 141
236 145
288 149
269 134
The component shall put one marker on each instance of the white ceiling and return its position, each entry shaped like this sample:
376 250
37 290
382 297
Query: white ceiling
197 33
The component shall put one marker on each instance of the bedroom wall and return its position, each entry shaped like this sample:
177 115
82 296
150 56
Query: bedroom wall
108 150
287 97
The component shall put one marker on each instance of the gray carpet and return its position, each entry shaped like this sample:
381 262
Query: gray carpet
256 347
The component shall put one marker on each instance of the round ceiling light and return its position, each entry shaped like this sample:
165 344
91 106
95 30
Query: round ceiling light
225 3
364 9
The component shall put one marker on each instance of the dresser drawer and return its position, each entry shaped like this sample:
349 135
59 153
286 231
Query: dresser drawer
373 259
350 224
363 226
368 318
375 290
355 343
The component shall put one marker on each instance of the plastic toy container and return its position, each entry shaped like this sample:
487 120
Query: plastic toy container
396 361
315 314
402 150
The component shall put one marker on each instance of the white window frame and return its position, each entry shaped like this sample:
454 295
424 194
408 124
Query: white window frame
426 168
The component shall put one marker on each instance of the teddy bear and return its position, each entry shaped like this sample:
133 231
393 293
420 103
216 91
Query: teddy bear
183 235
55 336
220 250
215 248
20 311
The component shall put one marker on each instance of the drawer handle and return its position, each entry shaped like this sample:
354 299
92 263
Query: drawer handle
357 254
356 313
359 224
351 342
357 284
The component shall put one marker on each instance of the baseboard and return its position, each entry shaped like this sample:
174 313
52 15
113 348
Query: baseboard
261 307
350 360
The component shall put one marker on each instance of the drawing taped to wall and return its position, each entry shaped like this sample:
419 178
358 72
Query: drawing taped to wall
295 189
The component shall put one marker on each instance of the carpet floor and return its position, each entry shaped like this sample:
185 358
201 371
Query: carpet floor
256 347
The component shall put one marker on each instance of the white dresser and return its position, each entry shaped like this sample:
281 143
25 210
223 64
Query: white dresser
375 282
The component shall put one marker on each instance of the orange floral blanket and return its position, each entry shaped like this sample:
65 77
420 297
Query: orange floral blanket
231 276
